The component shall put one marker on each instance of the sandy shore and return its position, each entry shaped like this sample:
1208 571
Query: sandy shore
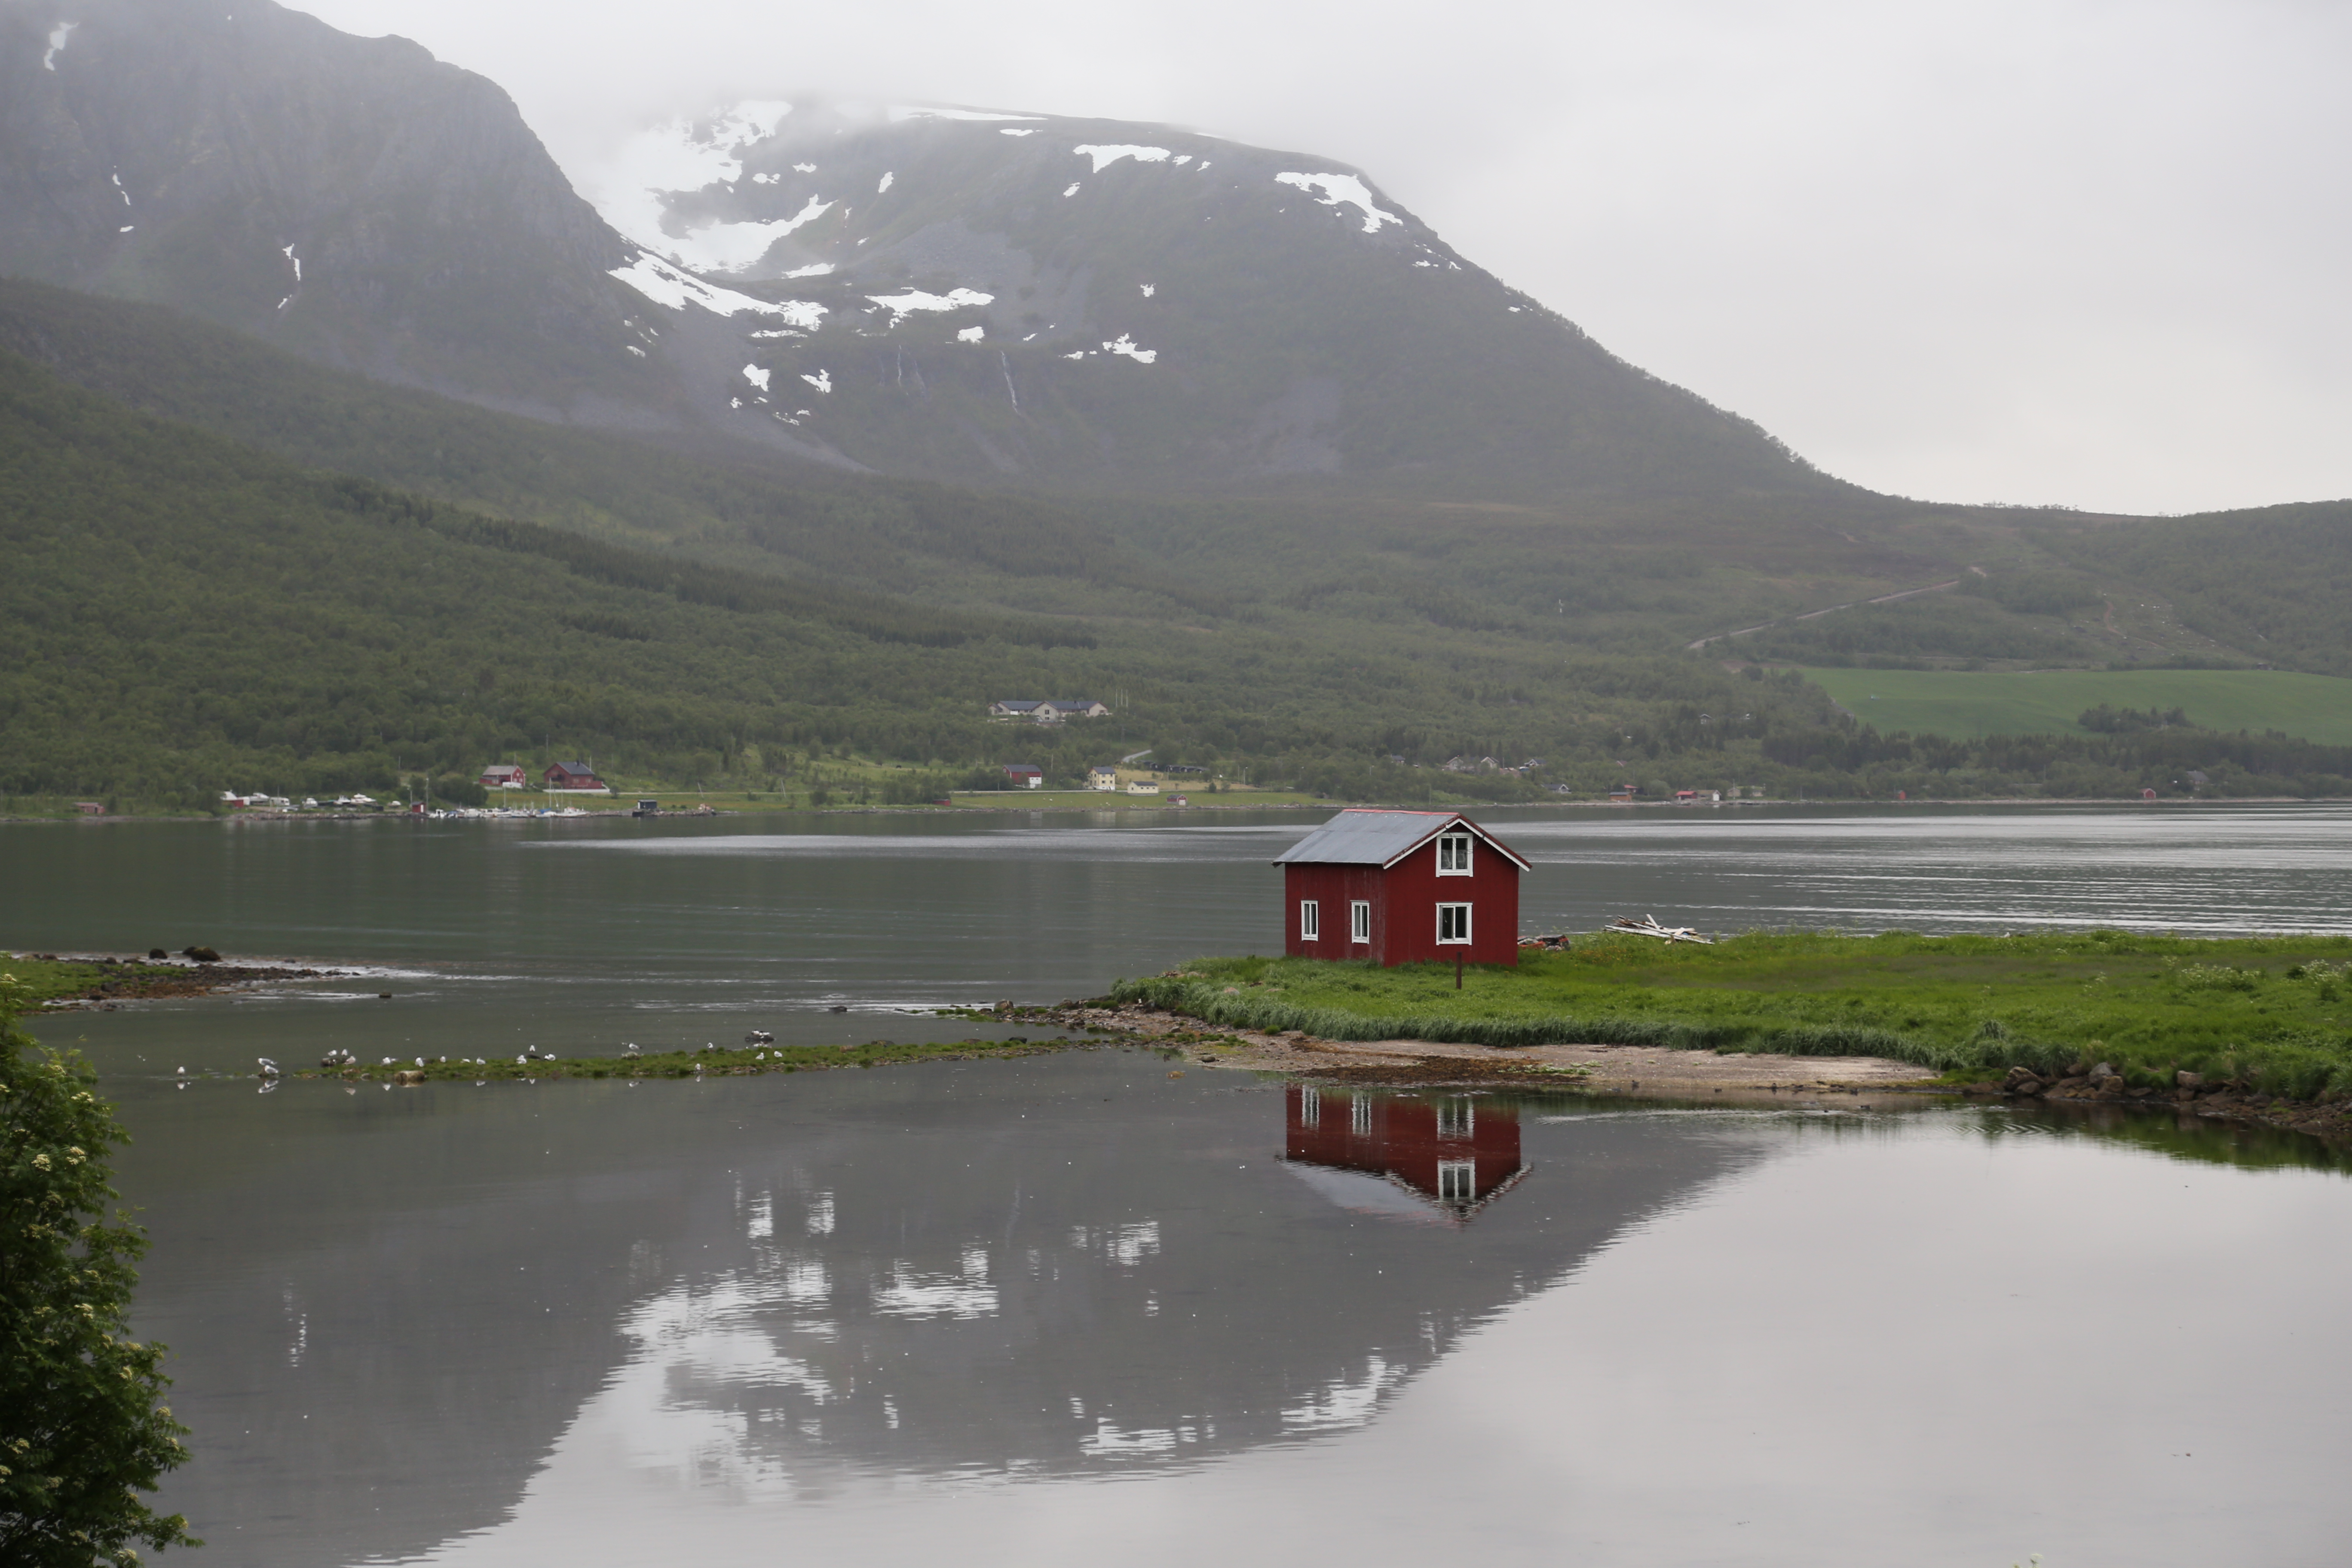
1617 1069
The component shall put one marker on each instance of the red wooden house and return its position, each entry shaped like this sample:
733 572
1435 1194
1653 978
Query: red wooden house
573 775
1458 1152
1401 887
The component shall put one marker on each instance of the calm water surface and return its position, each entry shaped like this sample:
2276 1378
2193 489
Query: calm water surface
1048 1310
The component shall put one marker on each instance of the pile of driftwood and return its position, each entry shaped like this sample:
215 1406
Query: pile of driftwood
1648 926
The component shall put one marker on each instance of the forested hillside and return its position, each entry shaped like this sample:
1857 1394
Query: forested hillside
2275 581
182 614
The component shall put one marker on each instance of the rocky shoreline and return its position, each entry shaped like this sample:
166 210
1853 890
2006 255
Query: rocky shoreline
2098 1083
102 984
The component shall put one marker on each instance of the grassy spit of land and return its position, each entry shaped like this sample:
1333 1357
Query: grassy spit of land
2267 1015
731 1061
50 981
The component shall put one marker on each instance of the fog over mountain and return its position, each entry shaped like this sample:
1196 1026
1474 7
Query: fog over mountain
917 290
2048 252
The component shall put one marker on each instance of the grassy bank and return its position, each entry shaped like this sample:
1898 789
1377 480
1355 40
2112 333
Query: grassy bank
2271 1012
1968 703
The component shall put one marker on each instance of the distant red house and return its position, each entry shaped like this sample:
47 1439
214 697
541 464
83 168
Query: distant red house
573 776
504 775
1401 887
1457 1153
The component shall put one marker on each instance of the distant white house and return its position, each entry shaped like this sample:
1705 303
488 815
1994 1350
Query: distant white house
1103 776
1048 712
1142 786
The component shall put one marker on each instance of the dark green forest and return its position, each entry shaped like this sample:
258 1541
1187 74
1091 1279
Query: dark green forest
265 576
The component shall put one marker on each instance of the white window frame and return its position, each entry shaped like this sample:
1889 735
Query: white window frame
1461 941
1360 921
1454 854
1359 1115
1310 1108
1310 921
1458 1181
1457 1118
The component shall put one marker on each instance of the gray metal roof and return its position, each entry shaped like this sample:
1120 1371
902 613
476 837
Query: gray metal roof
1364 837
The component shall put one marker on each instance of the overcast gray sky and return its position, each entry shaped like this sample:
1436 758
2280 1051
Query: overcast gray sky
2083 251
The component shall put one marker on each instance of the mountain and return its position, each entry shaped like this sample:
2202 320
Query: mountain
953 294
1110 305
352 199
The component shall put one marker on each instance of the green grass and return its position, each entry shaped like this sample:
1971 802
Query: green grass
2275 1012
1965 703
48 980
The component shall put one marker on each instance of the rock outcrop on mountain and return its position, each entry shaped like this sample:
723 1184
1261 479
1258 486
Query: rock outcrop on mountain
352 199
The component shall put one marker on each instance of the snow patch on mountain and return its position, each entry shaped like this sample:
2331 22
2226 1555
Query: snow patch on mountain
971 334
901 112
814 270
58 36
887 176
1008 131
913 299
1341 189
1125 345
733 246
664 285
1073 190
1107 154
756 376
821 381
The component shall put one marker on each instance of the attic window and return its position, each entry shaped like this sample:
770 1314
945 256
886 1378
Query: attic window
1454 1119
1454 854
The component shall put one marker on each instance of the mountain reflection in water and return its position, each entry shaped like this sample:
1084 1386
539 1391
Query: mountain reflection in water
386 1309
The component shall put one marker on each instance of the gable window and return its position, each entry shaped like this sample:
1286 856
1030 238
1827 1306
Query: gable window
1453 1119
1359 920
1359 1116
1458 1181
1454 854
1310 1108
1310 919
1453 923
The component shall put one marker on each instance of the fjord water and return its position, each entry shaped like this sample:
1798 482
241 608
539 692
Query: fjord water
1057 1308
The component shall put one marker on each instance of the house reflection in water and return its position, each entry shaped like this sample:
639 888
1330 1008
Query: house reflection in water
1431 1159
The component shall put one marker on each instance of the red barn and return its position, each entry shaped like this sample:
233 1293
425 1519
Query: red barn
1401 887
573 776
1459 1152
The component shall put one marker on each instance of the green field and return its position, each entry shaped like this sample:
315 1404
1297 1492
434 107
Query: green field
1966 704
2270 1011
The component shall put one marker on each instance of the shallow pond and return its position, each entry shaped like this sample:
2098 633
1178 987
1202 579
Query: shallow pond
1061 1307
